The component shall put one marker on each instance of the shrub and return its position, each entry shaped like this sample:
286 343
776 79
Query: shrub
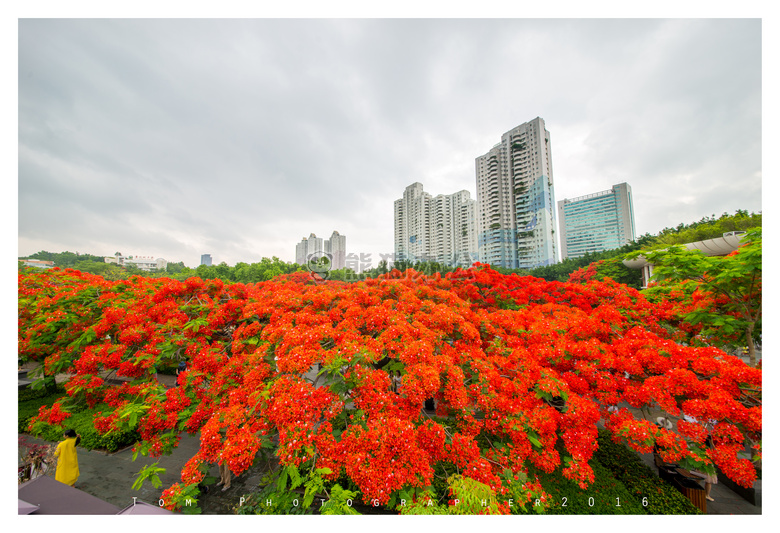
606 495
83 424
625 465
30 401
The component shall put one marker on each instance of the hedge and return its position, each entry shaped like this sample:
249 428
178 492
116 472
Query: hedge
30 401
81 421
606 495
626 466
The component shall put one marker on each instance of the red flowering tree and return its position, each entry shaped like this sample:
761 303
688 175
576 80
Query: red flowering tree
518 367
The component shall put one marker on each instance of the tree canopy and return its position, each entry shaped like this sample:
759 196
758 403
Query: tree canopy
521 369
707 228
722 294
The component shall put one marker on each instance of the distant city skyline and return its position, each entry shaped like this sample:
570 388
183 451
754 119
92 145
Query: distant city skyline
234 137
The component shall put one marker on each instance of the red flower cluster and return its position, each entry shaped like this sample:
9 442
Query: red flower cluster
515 365
53 415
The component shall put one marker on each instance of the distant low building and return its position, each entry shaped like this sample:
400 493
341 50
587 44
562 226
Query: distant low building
117 259
145 263
37 263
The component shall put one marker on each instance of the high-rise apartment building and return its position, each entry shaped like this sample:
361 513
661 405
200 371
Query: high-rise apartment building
596 222
440 228
335 247
516 200
412 224
205 259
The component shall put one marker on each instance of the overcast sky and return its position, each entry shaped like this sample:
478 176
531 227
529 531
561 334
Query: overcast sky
174 138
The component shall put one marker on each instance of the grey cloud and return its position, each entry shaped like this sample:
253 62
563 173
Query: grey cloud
241 136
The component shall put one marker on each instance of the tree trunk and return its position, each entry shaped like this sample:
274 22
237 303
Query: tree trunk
751 345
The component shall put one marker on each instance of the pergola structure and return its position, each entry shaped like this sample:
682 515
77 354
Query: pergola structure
718 246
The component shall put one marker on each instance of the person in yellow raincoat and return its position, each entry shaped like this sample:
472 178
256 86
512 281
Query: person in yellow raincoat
67 461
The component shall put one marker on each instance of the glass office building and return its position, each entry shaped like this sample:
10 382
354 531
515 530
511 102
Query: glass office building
596 222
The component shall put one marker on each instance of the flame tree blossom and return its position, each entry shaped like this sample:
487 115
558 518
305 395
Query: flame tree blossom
520 369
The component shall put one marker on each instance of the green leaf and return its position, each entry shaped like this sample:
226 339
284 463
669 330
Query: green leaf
394 366
393 499
534 441
282 482
149 472
295 477
195 324
542 395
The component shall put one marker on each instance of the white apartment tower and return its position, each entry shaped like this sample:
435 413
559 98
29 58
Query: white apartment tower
335 247
516 200
440 228
308 246
412 224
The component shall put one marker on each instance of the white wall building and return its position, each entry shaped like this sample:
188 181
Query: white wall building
117 259
146 263
516 200
412 224
440 228
336 246
37 263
